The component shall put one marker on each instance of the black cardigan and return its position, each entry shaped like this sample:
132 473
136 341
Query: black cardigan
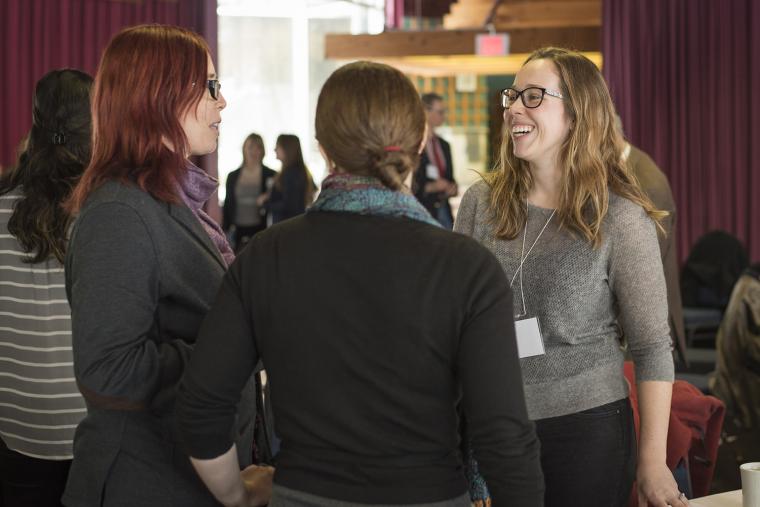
230 200
372 330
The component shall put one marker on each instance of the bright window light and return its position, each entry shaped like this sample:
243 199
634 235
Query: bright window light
271 64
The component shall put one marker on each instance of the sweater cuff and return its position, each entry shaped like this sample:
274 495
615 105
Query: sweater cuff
206 445
654 363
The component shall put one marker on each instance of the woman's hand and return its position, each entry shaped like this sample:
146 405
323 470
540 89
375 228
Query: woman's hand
234 488
655 482
439 185
258 485
452 190
657 487
262 199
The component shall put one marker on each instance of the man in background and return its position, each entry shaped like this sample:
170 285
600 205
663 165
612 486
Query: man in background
434 179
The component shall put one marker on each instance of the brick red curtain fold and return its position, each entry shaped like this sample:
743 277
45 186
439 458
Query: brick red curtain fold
37 36
685 79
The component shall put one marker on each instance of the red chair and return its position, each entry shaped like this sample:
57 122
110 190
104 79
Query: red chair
693 433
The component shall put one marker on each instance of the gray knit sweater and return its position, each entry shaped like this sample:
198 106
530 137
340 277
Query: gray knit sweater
585 300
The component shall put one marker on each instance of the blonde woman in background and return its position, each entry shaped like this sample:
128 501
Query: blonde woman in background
242 213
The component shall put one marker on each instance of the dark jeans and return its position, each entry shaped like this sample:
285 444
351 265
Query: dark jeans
29 481
589 457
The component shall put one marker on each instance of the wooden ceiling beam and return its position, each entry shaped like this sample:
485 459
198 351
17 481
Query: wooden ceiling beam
547 14
454 42
467 14
512 14
513 2
405 43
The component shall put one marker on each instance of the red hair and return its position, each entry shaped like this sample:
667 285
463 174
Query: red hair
148 78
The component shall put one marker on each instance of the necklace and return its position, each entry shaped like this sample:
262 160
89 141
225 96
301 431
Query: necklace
524 256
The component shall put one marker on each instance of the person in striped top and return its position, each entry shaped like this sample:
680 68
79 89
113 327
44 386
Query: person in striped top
40 404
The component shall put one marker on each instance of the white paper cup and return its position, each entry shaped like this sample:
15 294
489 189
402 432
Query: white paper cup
750 484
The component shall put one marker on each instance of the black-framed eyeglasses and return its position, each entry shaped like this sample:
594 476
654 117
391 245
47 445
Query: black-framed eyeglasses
531 97
213 88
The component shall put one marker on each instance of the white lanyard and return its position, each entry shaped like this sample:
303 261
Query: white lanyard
523 259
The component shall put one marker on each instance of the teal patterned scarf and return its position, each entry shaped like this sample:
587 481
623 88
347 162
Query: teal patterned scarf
365 195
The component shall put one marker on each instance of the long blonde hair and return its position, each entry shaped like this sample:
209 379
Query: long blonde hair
590 157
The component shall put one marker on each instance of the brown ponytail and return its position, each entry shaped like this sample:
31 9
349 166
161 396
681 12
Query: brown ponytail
370 121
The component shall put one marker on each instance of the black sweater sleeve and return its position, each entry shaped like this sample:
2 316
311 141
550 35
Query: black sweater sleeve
503 438
223 361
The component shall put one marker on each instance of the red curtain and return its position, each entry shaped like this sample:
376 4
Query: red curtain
41 35
685 80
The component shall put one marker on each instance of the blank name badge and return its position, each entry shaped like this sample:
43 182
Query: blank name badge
432 172
529 340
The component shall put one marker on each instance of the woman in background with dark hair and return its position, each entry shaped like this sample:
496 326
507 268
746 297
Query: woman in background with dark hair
143 265
40 402
293 187
408 320
243 215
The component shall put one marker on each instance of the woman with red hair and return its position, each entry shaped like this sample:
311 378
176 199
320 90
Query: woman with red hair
143 265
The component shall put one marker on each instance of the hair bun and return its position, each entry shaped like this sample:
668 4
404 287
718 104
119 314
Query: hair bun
390 166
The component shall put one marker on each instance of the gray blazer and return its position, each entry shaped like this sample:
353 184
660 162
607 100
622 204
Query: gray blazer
140 276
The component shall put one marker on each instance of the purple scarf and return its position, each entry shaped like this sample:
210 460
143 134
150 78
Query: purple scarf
195 189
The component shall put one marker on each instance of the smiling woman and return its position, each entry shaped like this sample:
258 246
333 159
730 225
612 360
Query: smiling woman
577 239
143 264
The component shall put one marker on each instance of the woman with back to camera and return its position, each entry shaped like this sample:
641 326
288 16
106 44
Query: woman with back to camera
143 264
373 323
293 188
577 240
243 215
39 400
